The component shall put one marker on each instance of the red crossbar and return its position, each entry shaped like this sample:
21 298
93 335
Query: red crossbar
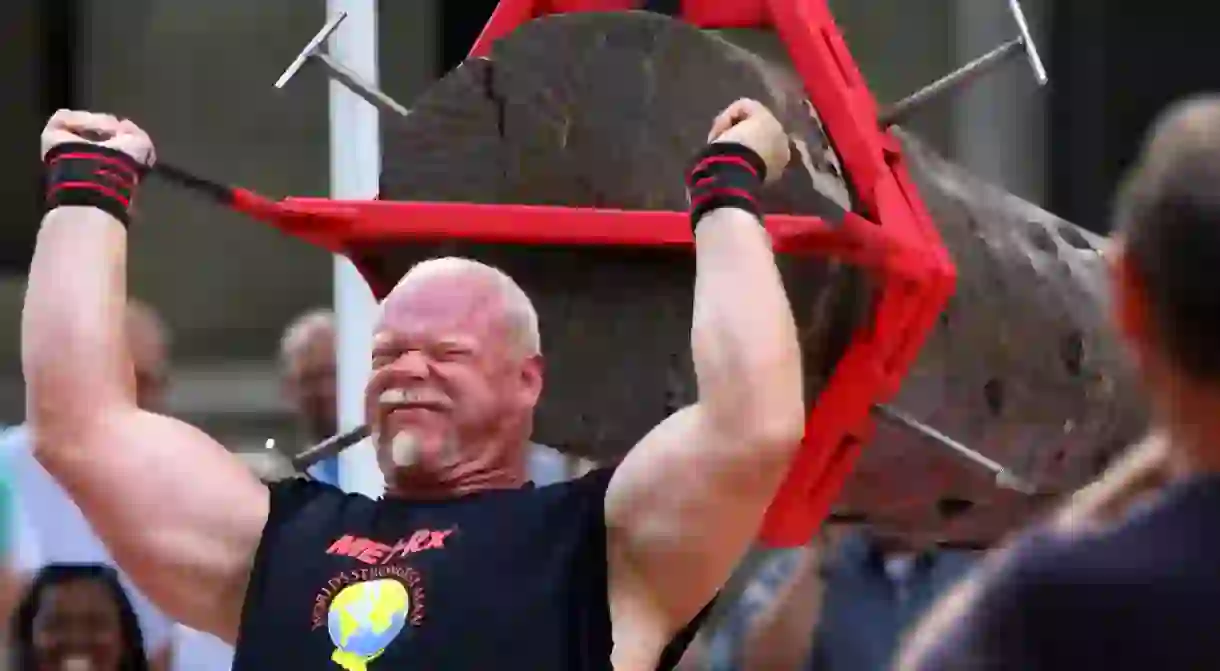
892 236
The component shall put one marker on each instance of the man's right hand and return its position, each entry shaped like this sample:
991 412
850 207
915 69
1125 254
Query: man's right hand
750 123
102 129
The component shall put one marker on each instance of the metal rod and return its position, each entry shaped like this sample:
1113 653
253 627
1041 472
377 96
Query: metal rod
1003 476
313 53
1023 42
952 81
1031 49
373 95
329 448
314 45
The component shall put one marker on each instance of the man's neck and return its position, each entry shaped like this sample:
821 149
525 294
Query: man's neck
1193 428
420 486
499 465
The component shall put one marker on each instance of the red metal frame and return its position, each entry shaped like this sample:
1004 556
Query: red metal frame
892 236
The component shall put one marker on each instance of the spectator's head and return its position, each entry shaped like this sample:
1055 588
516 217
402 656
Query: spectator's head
307 361
149 343
76 617
1167 297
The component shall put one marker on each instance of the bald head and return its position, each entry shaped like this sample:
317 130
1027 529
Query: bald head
307 362
499 291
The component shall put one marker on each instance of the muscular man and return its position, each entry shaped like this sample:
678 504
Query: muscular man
1127 576
459 566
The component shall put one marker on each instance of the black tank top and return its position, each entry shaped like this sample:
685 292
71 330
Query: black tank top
510 579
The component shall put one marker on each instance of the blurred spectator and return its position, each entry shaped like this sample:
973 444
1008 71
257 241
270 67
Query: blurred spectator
547 465
840 604
20 558
76 617
59 531
1129 576
307 364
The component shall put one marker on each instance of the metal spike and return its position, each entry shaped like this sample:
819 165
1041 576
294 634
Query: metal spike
313 53
959 78
1004 477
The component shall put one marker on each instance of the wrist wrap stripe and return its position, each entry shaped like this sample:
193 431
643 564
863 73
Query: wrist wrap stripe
90 175
725 175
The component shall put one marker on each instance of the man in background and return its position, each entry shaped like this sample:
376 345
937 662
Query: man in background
308 370
841 603
56 531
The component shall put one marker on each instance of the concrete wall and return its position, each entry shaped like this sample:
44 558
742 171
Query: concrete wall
900 45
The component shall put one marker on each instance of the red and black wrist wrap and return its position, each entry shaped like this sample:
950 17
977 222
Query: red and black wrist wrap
80 173
725 174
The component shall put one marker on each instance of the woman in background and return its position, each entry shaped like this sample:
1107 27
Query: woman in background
76 617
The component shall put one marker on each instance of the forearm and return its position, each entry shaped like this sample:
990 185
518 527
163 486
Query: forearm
743 339
781 638
72 339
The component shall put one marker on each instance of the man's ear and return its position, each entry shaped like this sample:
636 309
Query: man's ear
531 377
1130 305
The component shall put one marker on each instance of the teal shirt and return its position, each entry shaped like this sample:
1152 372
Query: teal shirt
7 514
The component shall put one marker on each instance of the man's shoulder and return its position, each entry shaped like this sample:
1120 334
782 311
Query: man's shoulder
294 497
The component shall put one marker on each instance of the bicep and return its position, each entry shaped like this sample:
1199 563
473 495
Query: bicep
179 513
682 509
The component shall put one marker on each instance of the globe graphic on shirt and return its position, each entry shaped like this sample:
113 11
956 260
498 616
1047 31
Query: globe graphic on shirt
364 618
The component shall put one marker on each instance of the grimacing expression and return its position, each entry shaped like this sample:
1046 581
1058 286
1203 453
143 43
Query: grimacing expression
446 374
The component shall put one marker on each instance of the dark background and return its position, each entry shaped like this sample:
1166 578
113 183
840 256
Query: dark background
1113 67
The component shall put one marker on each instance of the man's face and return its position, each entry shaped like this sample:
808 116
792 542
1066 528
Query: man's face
310 380
446 376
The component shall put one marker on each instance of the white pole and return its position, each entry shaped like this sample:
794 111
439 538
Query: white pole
355 169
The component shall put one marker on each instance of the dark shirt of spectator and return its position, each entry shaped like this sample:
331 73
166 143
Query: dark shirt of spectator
1144 594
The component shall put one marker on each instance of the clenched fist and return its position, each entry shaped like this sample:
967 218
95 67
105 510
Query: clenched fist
100 129
749 123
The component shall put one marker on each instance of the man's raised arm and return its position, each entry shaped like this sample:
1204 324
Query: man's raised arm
687 501
180 514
